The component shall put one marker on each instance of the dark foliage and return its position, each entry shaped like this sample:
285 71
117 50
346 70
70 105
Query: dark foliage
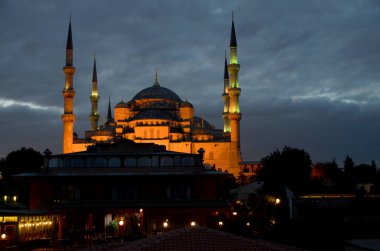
21 161
290 167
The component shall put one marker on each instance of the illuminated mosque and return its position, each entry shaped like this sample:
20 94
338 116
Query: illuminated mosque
158 115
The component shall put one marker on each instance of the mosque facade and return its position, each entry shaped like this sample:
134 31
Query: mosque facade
158 115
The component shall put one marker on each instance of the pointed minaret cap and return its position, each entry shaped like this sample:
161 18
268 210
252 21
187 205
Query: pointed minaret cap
109 114
156 84
233 35
94 73
69 44
226 76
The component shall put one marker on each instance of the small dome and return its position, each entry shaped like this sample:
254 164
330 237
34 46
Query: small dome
157 92
121 104
198 121
186 104
201 131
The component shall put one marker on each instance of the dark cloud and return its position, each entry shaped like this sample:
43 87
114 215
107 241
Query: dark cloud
309 69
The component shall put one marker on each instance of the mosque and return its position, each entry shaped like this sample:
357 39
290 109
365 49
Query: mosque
158 115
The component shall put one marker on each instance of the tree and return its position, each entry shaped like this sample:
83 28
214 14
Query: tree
348 164
290 167
21 161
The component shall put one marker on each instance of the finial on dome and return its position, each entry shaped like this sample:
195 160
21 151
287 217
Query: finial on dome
156 84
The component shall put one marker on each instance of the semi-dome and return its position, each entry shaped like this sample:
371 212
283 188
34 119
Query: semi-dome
157 92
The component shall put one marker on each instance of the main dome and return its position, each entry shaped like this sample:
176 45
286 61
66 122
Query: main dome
156 92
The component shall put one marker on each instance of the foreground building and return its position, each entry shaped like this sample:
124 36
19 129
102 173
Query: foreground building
158 115
115 187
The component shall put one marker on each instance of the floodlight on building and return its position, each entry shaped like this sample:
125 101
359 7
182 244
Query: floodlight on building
220 223
121 222
193 223
165 224
141 210
277 201
3 236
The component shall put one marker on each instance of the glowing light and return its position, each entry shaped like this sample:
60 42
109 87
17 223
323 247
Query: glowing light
220 223
3 236
277 201
121 223
234 213
141 210
5 198
165 224
193 224
14 198
248 224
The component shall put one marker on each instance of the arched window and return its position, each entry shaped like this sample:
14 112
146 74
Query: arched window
100 162
55 162
151 133
130 162
166 161
114 162
211 155
145 161
77 162
188 161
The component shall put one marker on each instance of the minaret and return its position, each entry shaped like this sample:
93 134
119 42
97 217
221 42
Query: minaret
225 96
94 116
234 114
68 117
109 113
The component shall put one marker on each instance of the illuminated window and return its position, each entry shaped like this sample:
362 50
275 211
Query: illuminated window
211 155
151 133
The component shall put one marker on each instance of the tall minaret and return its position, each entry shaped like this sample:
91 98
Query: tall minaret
94 116
234 114
226 97
68 117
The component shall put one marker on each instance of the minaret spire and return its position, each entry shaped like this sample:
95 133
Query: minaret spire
94 98
109 113
69 46
68 117
233 35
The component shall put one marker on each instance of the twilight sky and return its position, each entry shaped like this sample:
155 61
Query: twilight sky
310 70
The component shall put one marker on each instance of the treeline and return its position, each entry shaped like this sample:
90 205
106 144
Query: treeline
293 168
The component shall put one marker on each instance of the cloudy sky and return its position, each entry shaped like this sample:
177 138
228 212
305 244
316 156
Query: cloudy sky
310 70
